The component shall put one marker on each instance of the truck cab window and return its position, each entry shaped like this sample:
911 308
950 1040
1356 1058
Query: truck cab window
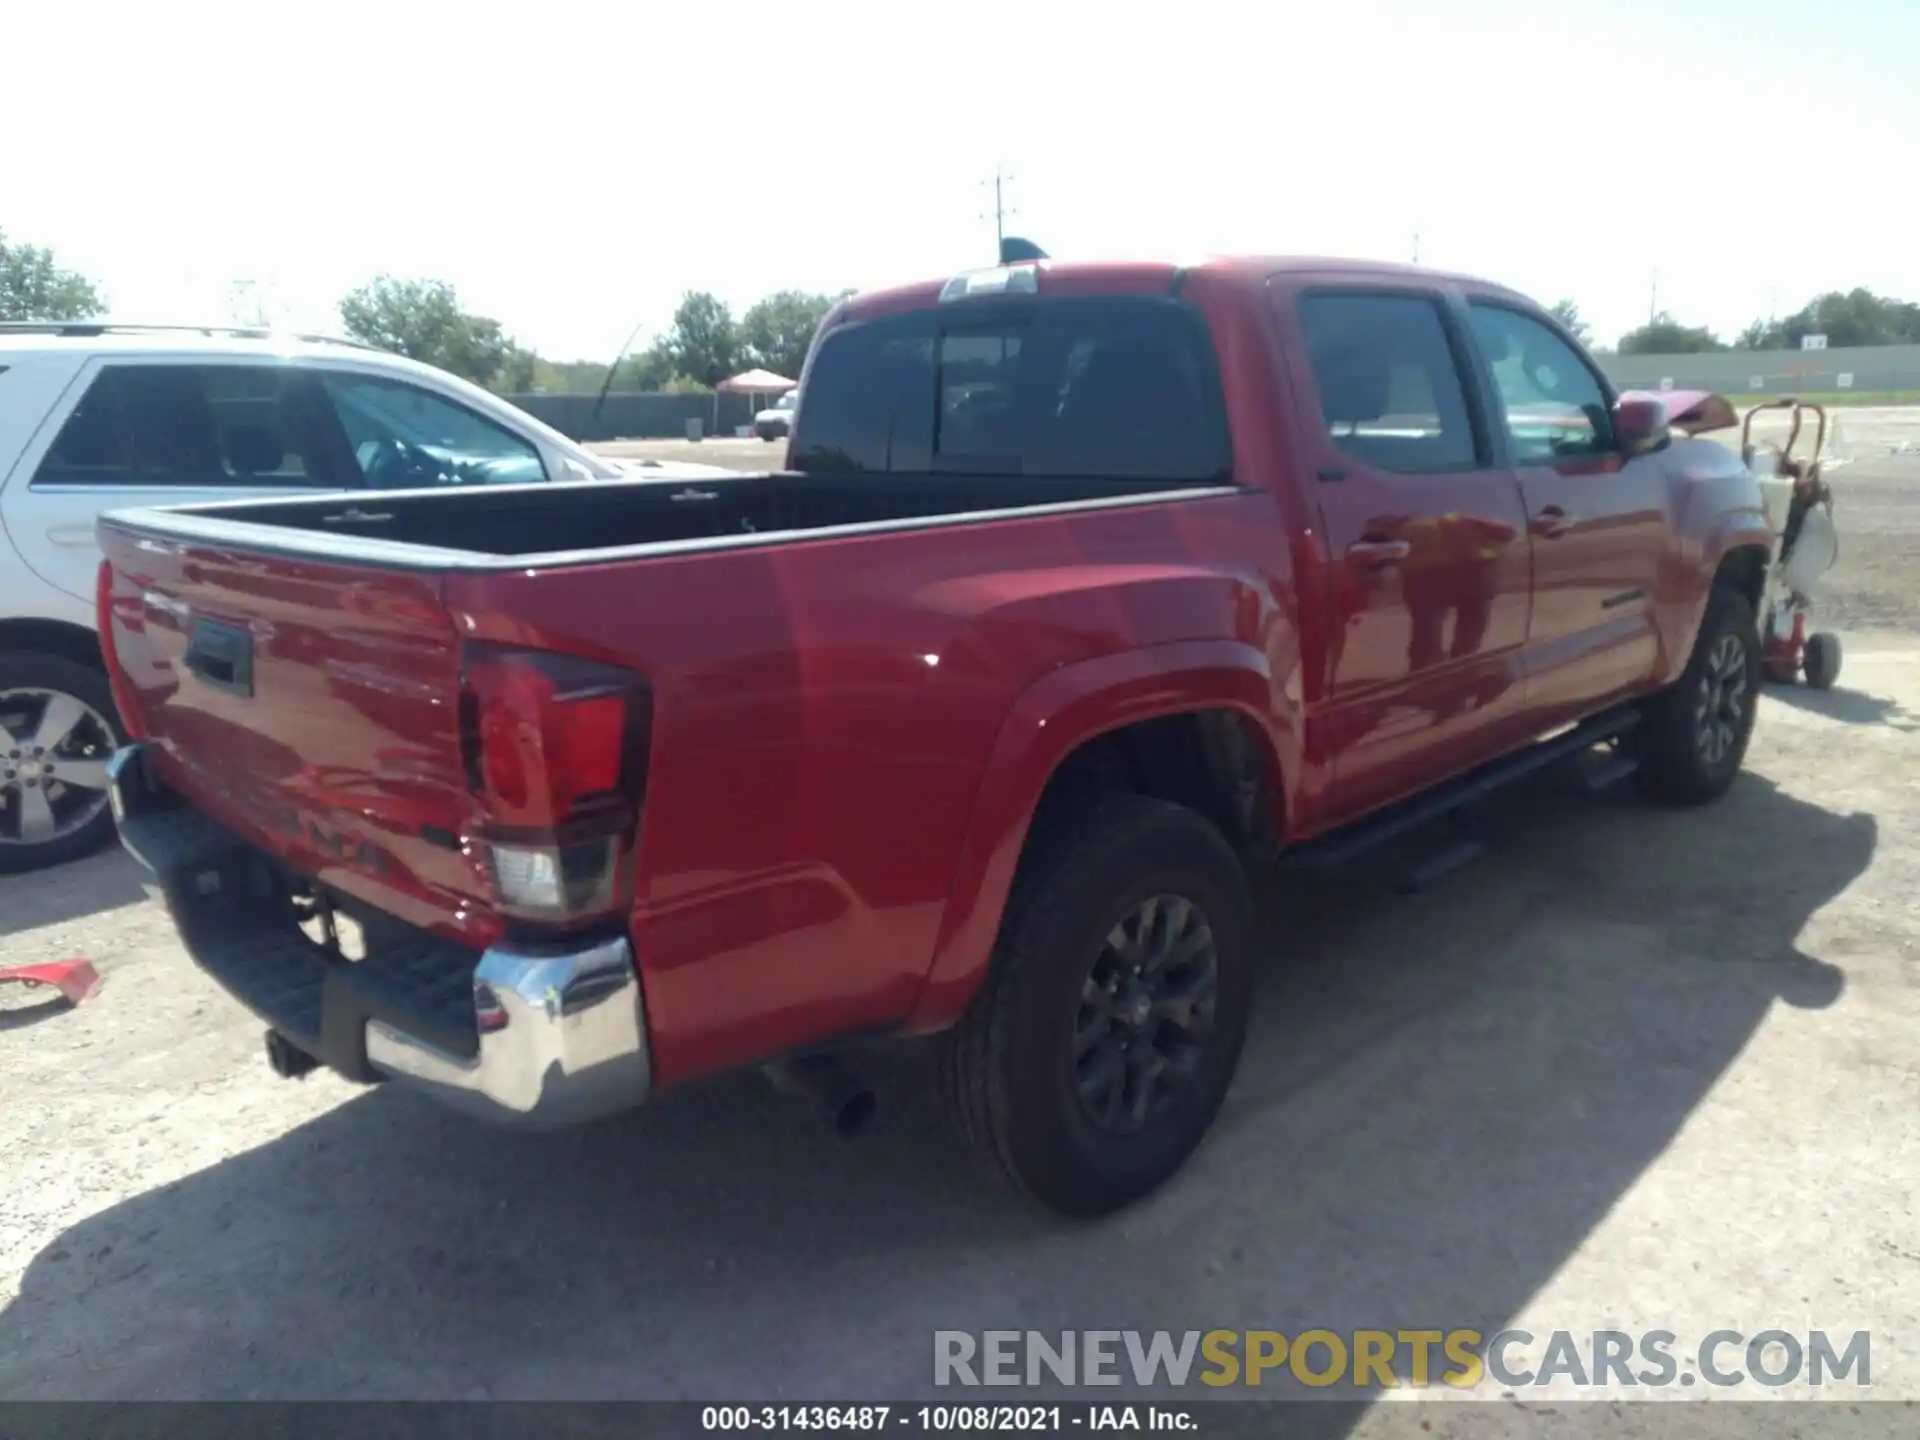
1551 402
1390 394
1118 387
404 437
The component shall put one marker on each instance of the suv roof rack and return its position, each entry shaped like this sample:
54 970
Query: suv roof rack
87 329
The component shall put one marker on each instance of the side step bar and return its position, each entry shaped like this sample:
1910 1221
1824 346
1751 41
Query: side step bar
1606 771
1344 845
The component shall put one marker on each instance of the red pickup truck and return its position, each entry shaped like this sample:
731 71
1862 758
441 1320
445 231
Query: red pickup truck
1088 591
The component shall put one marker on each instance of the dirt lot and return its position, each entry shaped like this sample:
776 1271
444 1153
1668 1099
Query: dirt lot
734 454
1636 1069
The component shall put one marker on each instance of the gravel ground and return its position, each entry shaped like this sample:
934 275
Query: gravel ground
1635 1069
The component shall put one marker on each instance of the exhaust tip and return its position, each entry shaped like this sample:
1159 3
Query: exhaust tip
845 1100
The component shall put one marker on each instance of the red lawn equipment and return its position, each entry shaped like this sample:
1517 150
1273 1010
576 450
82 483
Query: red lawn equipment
1800 501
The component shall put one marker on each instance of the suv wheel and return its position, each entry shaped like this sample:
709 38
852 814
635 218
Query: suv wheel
1694 734
57 732
1099 1050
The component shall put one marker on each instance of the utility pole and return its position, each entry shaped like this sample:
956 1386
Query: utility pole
1653 299
1001 210
1416 247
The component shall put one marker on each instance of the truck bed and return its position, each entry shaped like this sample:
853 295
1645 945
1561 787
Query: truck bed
799 688
508 525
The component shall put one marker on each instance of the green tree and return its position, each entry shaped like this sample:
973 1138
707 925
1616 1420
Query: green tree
1663 335
521 371
652 369
1845 317
703 342
1568 314
33 287
777 331
422 320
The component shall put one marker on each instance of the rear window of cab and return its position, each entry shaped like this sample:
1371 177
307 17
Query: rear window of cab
1120 387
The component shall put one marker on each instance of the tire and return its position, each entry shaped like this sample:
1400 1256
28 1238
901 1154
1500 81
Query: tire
27 680
1012 1070
1685 759
1820 661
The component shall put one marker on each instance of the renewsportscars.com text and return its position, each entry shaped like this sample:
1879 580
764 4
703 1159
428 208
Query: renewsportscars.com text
1393 1359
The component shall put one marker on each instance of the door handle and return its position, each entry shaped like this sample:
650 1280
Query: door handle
1378 554
1552 522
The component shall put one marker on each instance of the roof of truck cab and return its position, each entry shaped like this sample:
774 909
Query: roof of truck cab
1259 267
1100 277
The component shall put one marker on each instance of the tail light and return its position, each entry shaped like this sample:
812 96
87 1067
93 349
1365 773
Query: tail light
125 699
556 757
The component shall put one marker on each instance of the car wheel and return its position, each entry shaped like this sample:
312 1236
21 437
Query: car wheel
1101 1046
58 729
1820 661
1694 735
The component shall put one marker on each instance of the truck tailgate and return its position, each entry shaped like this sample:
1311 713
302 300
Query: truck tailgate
313 708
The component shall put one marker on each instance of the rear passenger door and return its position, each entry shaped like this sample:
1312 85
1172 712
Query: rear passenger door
168 432
1427 575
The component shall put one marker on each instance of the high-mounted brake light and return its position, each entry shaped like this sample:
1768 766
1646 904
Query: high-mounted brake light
556 752
1001 280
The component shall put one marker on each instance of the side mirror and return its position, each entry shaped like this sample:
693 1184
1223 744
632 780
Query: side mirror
1639 425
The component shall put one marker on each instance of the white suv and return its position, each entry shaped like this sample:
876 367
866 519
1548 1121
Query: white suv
95 417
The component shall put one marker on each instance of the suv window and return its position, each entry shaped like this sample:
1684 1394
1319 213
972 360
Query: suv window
1551 401
1120 387
402 437
198 427
1390 392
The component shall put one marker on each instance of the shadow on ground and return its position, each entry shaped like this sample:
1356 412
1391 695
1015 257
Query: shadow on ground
60 893
40 1003
1851 707
1442 1096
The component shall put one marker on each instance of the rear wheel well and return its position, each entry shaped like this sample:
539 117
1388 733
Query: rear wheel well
1215 762
53 637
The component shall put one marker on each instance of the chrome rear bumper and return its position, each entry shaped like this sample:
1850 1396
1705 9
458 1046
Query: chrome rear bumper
562 1039
555 1035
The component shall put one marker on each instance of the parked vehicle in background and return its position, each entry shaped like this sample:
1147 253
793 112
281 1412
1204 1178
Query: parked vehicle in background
1090 590
94 416
776 421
